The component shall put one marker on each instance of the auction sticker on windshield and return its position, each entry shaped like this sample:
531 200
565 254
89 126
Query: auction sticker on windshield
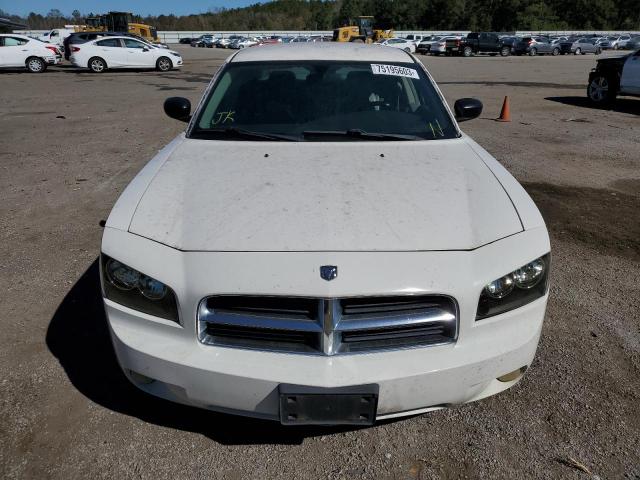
393 70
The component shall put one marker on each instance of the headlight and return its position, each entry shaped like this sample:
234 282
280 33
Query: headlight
515 289
133 289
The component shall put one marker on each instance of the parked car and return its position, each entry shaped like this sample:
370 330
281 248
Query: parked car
632 44
536 46
226 42
439 47
415 38
453 46
621 42
614 76
20 51
401 43
202 41
424 46
186 40
603 42
511 41
483 42
123 52
83 37
382 287
585 45
243 42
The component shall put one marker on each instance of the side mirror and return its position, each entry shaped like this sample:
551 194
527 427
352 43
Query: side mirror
467 109
178 108
145 49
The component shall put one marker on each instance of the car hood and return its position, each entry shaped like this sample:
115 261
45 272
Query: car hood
338 196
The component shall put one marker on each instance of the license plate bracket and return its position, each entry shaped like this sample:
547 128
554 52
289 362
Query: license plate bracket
304 405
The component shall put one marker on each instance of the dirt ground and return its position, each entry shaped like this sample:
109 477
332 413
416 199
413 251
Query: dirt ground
71 141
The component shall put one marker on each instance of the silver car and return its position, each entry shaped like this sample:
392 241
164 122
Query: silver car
585 45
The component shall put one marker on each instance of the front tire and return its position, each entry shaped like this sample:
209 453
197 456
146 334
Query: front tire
578 51
164 64
97 65
602 91
35 65
555 52
467 51
598 51
505 51
533 52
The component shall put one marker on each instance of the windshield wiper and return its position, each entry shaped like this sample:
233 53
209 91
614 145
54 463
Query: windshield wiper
242 133
357 133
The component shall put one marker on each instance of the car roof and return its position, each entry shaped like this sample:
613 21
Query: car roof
323 51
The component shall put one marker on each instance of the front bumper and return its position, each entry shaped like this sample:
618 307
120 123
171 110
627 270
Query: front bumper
410 381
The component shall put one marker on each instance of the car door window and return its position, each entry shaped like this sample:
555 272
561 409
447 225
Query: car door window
110 42
130 43
14 42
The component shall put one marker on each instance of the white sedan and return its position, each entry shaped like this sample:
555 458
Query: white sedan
401 43
122 52
20 51
324 245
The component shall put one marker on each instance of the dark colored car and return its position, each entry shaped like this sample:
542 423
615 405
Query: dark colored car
83 37
186 40
483 42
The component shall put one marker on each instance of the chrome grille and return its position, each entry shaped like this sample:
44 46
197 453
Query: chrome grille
327 326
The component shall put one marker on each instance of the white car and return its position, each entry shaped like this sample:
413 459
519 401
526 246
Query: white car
323 245
20 51
440 46
401 43
243 43
122 52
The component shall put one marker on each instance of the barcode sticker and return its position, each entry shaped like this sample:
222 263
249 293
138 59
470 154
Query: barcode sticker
393 70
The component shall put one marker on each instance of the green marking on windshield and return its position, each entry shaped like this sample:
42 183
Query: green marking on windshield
223 117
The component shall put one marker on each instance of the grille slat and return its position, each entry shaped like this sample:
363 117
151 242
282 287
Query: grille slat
388 333
327 326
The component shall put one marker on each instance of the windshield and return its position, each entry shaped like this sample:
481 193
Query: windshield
306 100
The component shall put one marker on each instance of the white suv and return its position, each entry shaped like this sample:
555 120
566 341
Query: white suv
323 245
19 51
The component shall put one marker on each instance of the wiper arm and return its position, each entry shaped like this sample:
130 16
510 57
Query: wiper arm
249 134
357 133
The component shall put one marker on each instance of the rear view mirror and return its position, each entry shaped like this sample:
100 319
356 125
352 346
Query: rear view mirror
178 108
467 109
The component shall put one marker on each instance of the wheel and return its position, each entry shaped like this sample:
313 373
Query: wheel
601 90
555 52
35 65
505 51
407 49
164 64
467 51
533 52
615 47
578 51
97 65
358 40
598 51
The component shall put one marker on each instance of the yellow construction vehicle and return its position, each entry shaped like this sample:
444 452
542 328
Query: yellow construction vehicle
362 30
121 22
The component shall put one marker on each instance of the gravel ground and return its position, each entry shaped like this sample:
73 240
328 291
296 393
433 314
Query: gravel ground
71 141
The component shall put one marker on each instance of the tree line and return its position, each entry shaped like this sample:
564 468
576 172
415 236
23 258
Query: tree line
483 15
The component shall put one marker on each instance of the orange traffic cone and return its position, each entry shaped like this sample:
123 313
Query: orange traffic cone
505 114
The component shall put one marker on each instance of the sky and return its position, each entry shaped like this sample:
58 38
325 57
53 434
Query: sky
138 7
